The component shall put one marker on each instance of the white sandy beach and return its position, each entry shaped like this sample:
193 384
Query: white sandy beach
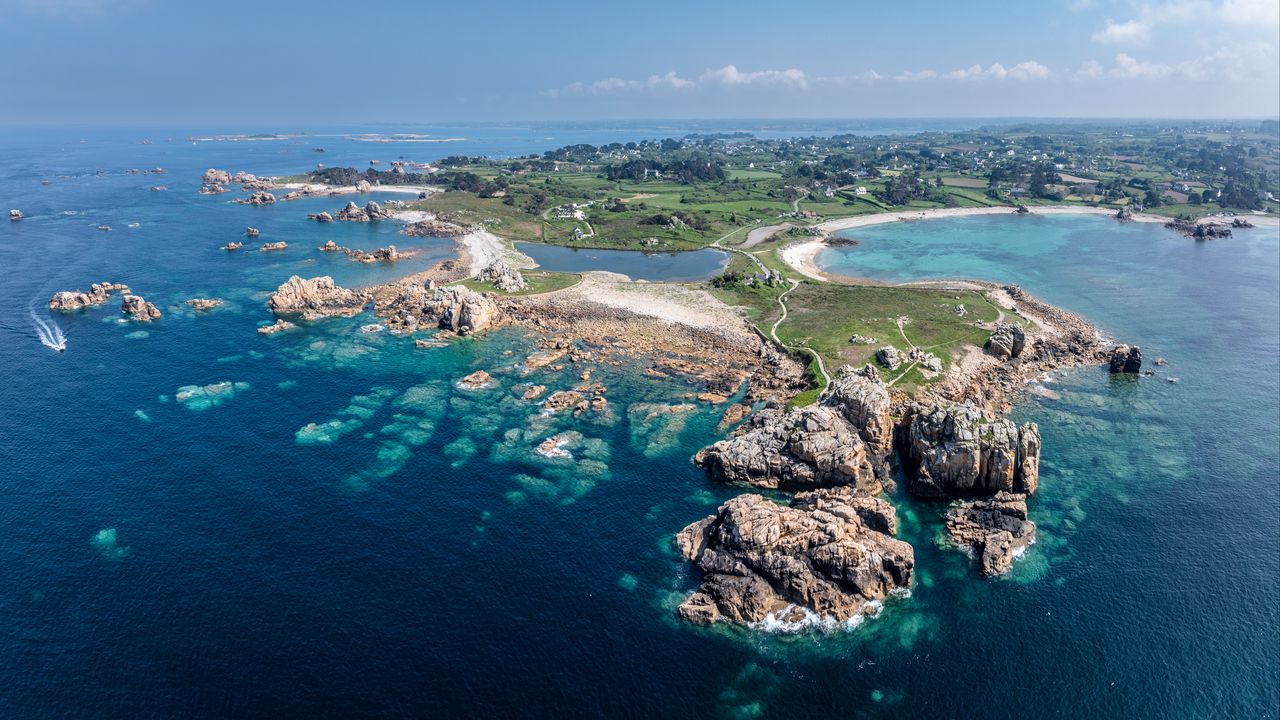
321 190
802 256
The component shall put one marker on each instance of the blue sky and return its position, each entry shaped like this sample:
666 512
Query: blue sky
319 62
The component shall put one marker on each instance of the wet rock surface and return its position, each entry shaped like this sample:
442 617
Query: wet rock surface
1126 359
995 529
454 308
137 308
98 293
830 553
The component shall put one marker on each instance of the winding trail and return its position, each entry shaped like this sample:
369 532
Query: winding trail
773 331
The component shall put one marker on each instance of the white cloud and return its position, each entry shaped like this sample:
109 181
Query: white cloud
915 75
731 75
1133 32
1030 70
1131 68
1250 12
1090 69
614 85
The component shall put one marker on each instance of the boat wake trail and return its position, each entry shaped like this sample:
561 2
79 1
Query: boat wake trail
46 330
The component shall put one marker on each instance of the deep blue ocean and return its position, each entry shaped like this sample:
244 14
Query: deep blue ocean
410 555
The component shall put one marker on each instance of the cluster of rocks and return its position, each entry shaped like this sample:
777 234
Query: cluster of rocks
250 182
454 308
214 182
1126 359
273 246
1198 230
137 308
862 340
252 232
204 303
830 552
16 215
277 326
315 298
71 300
434 228
233 245
889 357
386 254
262 197
322 216
355 213
503 277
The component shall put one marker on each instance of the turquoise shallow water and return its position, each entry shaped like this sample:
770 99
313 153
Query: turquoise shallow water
412 556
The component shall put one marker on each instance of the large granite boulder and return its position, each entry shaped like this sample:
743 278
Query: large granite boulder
956 450
796 450
315 298
455 308
1007 341
374 211
213 176
137 308
352 213
503 277
889 357
1126 359
829 553
863 400
995 529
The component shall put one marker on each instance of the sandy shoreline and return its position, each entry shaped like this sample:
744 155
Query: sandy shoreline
322 190
802 256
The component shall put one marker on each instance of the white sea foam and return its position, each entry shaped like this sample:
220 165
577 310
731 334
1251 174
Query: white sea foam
775 622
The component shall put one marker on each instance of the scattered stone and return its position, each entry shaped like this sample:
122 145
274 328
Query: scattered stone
829 553
862 340
996 529
1126 359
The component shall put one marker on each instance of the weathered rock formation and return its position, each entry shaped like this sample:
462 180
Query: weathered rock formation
204 303
455 308
1007 341
277 326
137 308
323 217
252 232
996 529
1126 359
1199 230
374 211
863 400
233 245
213 176
69 300
475 380
272 247
797 450
503 277
889 357
262 197
315 298
352 213
15 215
830 553
956 450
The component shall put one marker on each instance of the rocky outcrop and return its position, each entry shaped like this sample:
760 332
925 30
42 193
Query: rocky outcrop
829 553
1126 359
889 357
16 215
1240 223
137 308
277 326
70 300
476 380
995 529
323 217
233 245
315 298
273 247
1199 230
213 176
455 308
352 213
1124 214
1007 341
262 197
204 303
956 450
503 277
252 232
797 450
374 211
863 400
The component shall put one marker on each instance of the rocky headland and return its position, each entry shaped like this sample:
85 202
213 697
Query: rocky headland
98 293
